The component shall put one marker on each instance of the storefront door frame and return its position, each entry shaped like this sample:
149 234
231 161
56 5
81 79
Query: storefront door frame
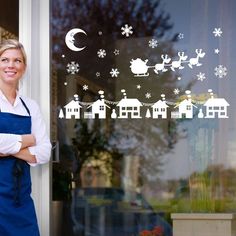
34 34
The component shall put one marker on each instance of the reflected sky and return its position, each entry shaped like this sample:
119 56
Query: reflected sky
197 20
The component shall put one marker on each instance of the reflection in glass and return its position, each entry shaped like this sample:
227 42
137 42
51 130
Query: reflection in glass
9 19
160 149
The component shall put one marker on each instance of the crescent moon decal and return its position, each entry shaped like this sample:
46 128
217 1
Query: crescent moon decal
69 39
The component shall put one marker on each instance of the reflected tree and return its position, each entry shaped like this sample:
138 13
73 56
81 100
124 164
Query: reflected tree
147 17
146 138
91 145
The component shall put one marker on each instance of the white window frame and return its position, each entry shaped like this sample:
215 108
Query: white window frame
34 33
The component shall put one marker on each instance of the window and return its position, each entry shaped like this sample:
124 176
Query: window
133 54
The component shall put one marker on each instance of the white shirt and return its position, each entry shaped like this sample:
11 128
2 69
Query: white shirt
10 143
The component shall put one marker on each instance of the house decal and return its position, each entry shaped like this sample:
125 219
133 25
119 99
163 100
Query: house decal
185 108
159 109
99 107
216 107
129 107
211 107
73 108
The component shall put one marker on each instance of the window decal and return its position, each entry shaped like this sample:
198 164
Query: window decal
70 40
131 107
185 106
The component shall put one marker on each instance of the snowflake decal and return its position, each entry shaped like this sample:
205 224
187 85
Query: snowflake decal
72 68
148 95
138 86
98 74
180 36
85 87
101 53
153 43
114 72
201 76
217 32
217 51
176 91
220 71
116 52
126 30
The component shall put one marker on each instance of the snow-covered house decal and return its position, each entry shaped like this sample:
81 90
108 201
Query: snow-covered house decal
186 107
212 107
159 109
99 107
216 107
73 108
129 107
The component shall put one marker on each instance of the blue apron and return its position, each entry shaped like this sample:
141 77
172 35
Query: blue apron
17 212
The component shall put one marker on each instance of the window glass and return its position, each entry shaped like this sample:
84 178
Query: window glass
165 141
9 19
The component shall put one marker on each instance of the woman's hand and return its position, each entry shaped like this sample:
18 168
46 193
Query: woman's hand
3 155
25 155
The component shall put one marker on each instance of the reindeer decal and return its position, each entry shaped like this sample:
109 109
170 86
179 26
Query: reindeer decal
140 68
161 66
178 64
195 60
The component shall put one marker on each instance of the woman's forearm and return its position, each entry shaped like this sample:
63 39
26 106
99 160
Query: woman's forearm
25 155
28 140
11 144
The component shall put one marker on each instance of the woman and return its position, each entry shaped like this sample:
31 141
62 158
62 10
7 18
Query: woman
23 143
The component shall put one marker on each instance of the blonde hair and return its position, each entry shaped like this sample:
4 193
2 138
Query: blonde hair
13 44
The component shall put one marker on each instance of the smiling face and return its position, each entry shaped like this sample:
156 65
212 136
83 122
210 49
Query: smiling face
12 67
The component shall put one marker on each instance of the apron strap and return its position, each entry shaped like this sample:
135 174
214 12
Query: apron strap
27 109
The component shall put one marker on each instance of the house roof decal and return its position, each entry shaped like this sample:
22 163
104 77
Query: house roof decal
129 102
160 103
216 102
74 103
